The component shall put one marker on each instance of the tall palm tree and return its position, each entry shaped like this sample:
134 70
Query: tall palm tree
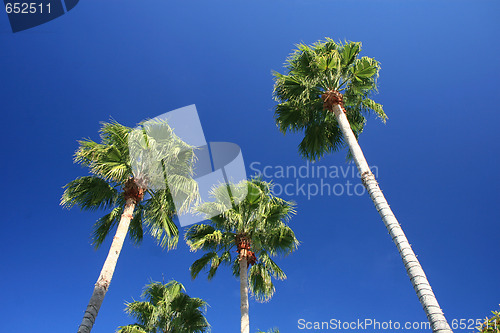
249 219
326 92
166 309
123 187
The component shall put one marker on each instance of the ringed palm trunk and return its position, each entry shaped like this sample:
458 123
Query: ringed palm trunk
102 284
414 269
245 321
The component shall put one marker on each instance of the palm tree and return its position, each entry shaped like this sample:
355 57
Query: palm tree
167 309
124 188
249 219
490 325
272 330
325 93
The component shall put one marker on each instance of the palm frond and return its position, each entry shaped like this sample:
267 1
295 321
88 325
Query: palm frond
136 232
140 311
132 329
260 283
158 215
272 268
105 224
110 158
207 238
280 240
202 263
89 193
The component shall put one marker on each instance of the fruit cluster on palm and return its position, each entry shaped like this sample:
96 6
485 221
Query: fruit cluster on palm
166 309
325 93
250 221
123 188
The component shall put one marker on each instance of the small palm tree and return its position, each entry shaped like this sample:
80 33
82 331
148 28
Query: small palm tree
249 219
166 309
133 205
272 330
326 93
490 325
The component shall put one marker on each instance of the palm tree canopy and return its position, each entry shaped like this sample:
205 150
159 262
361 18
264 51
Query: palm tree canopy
166 309
490 325
311 71
111 167
247 210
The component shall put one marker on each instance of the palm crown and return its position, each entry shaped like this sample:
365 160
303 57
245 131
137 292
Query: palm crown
112 178
256 227
166 309
314 73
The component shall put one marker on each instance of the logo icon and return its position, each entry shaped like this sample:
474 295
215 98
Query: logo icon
215 163
24 14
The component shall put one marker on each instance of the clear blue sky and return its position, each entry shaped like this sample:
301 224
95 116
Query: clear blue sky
437 156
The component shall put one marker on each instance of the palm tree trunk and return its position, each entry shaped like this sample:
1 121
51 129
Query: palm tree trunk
414 269
101 287
245 321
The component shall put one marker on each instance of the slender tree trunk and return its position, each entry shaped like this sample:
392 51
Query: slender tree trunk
245 321
101 287
415 272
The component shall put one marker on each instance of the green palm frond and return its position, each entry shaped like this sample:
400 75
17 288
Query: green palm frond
104 225
202 263
260 283
280 241
235 267
185 190
136 231
272 268
368 104
140 311
313 70
131 329
210 261
89 193
280 211
114 133
110 158
224 258
158 216
192 319
198 237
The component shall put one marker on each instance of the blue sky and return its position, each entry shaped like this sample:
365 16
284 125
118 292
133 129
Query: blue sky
437 156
